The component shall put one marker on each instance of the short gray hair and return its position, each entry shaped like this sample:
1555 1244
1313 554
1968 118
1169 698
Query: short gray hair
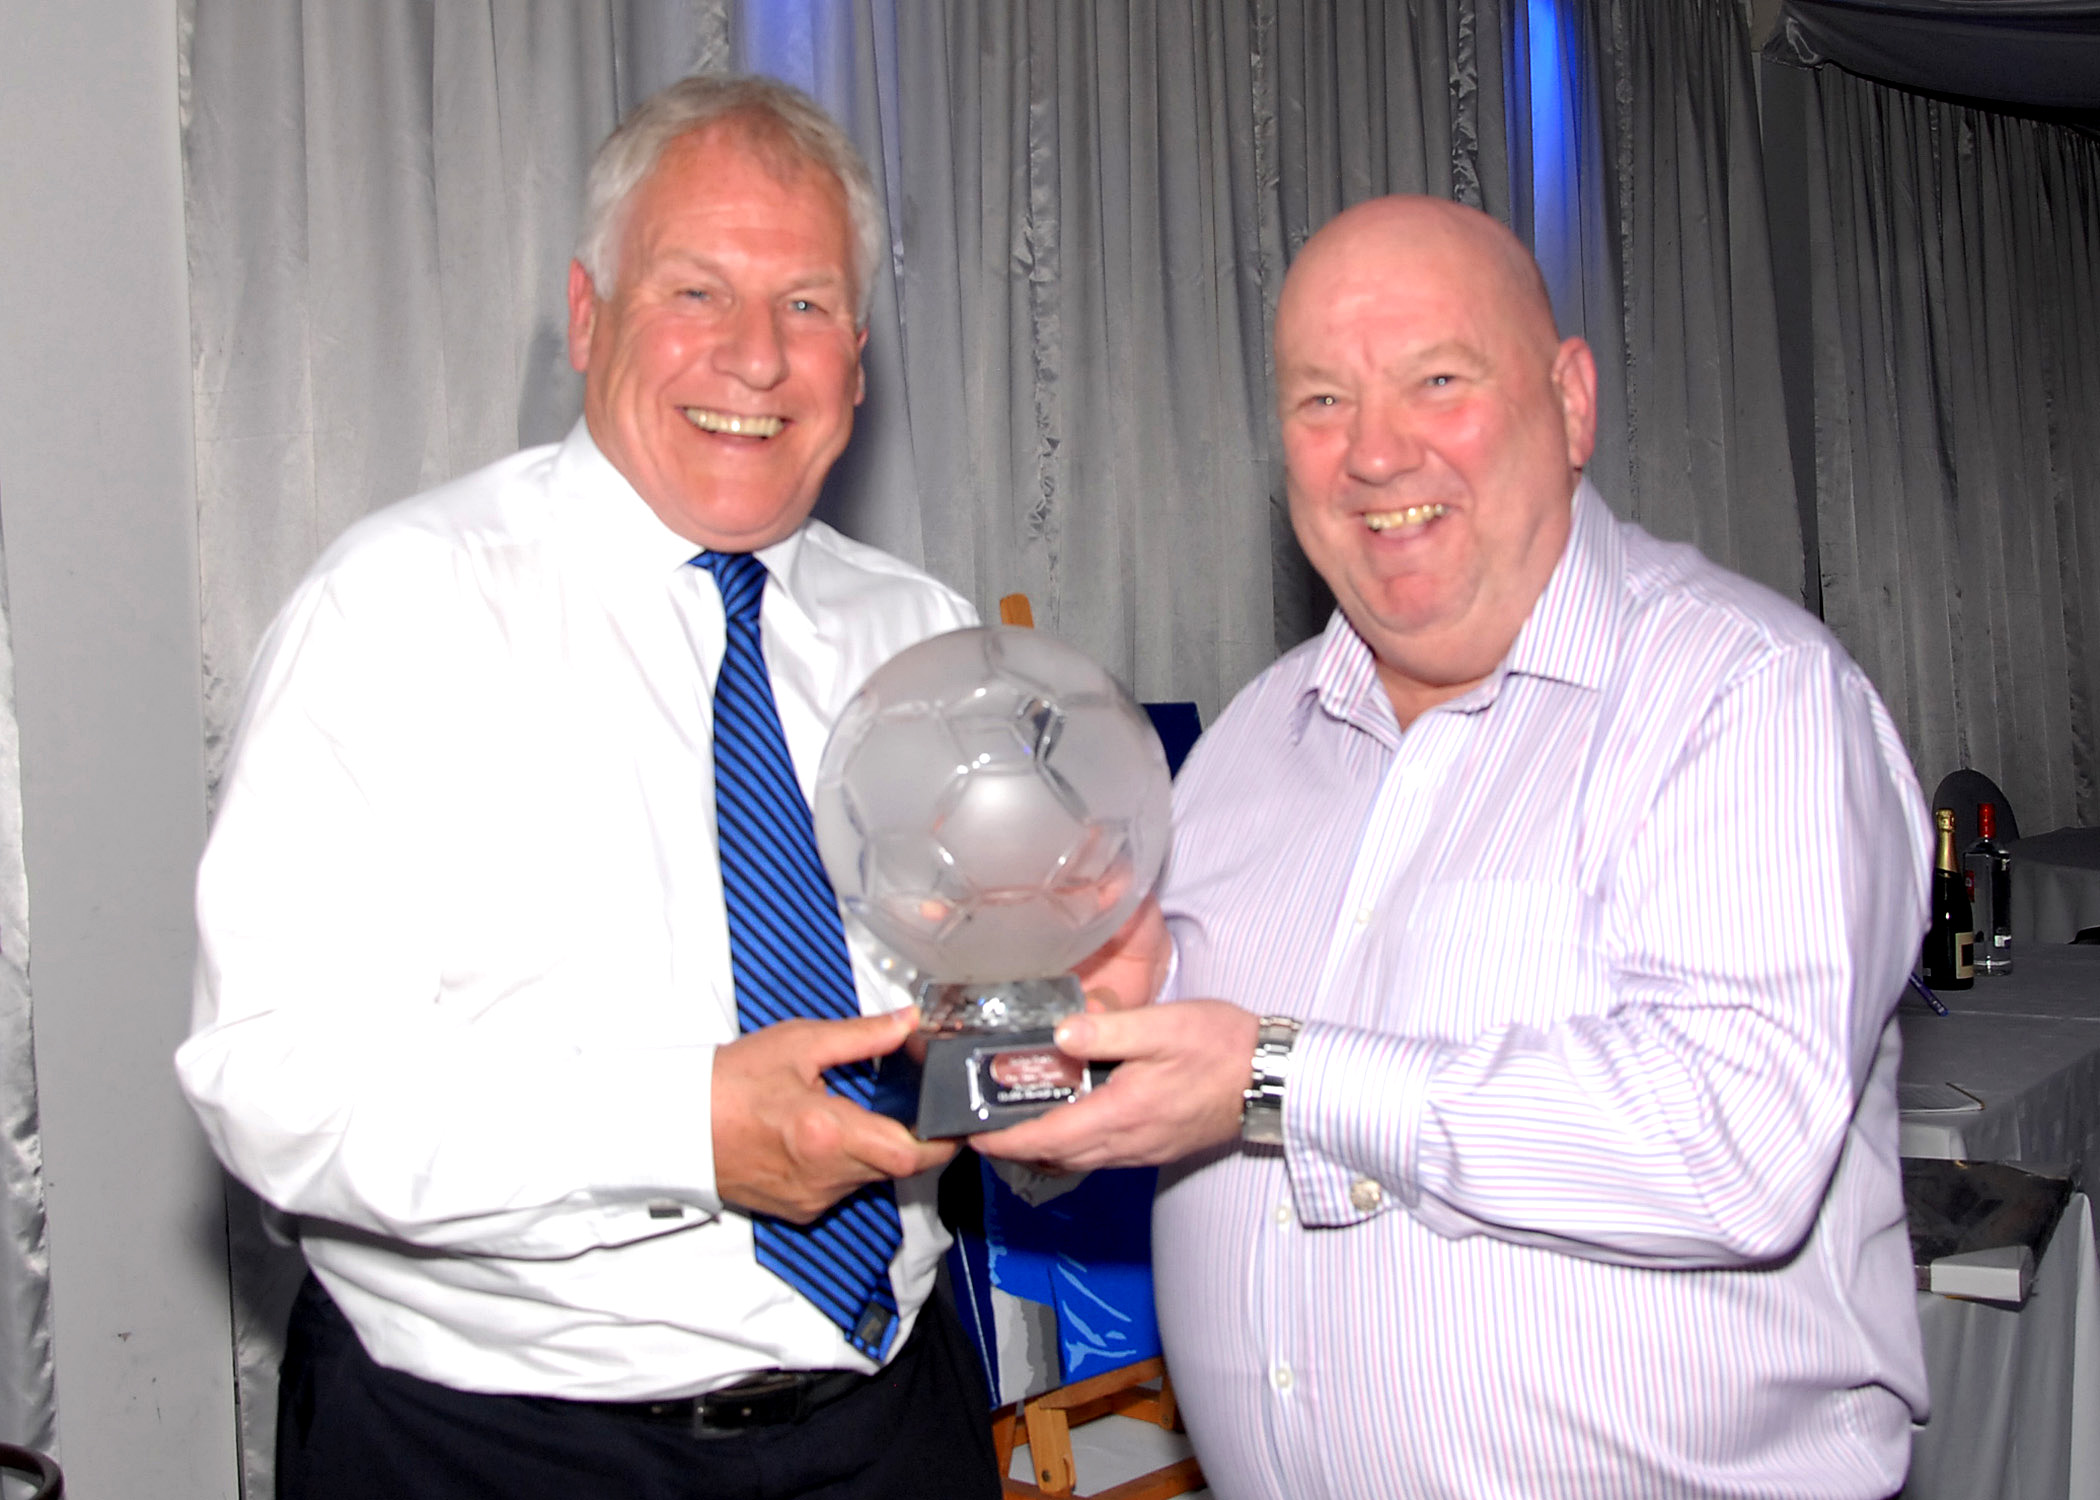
786 126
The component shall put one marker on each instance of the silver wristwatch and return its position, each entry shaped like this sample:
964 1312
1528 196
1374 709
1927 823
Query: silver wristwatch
1261 1104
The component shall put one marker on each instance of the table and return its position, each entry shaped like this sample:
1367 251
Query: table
2015 1394
2028 1045
2056 886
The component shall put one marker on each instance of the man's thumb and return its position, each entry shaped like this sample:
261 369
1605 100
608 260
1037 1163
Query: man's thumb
861 1037
1095 1035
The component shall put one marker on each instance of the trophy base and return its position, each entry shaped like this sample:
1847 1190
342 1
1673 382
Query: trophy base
987 1059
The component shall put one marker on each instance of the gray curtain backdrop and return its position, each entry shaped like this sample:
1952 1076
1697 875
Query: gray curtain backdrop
1954 267
26 1376
1641 185
382 201
1097 203
1091 208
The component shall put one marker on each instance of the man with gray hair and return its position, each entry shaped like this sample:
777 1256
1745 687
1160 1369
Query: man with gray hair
522 999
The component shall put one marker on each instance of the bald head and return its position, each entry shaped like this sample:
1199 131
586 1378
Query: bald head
1435 428
1432 237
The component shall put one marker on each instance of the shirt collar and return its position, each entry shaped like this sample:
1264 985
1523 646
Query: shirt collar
1570 633
608 520
1344 684
1568 636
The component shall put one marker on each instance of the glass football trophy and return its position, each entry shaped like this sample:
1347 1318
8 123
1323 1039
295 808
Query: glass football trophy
992 806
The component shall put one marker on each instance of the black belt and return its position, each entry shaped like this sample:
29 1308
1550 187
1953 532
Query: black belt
770 1398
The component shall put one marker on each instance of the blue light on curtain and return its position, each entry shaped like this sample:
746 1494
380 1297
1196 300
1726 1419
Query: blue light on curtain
1555 156
1549 130
779 39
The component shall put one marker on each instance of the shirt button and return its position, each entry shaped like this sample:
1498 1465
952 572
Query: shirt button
1365 1195
1283 1213
1363 916
1280 1377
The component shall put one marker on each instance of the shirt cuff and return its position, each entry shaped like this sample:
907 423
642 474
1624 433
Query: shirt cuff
1170 985
1352 1118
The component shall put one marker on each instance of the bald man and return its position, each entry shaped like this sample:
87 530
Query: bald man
1543 1141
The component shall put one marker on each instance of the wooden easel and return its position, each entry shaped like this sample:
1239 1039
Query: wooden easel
1048 1420
1015 609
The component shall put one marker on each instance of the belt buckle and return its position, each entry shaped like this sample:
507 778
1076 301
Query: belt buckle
763 1400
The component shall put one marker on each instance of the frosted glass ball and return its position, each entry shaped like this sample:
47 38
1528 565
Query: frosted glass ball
992 805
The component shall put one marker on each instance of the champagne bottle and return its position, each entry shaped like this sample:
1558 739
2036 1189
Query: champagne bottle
1988 868
1950 944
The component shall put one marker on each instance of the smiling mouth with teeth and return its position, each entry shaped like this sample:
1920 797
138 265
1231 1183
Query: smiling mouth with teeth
732 425
1394 520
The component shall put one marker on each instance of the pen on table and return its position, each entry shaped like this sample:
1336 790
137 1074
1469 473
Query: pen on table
1938 1008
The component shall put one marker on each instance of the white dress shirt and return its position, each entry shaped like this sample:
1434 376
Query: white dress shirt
464 964
1589 1185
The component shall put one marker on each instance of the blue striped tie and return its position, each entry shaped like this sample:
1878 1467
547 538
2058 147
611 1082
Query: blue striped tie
787 953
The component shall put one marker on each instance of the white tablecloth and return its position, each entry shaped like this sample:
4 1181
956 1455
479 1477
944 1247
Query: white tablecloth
2056 886
2015 1394
2028 1045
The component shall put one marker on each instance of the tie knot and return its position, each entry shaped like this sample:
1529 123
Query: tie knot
742 579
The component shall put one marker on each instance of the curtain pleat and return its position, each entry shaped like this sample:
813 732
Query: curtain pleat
1643 194
27 1375
1094 438
1957 421
1098 203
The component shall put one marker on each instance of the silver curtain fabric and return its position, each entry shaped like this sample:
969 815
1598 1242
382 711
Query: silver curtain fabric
1641 175
1094 207
382 202
1955 277
1097 203
26 1374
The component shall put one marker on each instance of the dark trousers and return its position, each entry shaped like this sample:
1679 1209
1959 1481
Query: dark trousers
348 1429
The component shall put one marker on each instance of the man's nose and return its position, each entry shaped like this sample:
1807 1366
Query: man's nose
751 347
1382 443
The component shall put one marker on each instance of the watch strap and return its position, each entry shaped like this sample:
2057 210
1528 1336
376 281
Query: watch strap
1261 1103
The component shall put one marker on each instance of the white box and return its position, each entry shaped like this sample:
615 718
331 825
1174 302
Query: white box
2001 1275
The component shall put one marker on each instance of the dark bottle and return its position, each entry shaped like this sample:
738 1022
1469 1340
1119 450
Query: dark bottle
1988 869
1950 944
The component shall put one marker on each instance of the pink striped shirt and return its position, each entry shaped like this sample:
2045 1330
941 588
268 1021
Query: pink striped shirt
1590 1184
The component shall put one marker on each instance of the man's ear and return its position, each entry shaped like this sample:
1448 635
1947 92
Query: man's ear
1575 381
583 315
860 368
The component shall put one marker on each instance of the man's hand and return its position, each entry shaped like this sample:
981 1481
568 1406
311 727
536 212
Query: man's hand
786 1146
1128 969
1184 1071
